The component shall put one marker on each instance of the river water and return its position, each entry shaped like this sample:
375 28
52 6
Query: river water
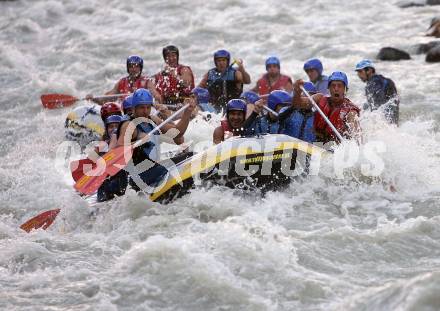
323 244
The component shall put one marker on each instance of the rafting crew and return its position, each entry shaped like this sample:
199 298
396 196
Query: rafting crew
133 81
342 113
381 92
223 81
273 79
175 81
146 171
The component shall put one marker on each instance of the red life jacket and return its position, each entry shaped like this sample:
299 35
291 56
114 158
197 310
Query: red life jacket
265 88
126 86
227 128
171 87
337 116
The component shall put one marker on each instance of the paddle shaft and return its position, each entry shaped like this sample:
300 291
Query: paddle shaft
267 108
271 111
315 105
106 96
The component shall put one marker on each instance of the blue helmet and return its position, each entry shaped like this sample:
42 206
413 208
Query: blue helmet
202 95
310 87
134 59
142 97
222 54
314 63
365 63
272 61
127 103
338 76
278 97
250 96
113 119
236 105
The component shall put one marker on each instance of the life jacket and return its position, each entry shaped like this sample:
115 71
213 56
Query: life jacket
264 125
300 125
379 90
171 88
227 128
243 132
322 85
337 116
222 87
264 86
149 150
126 86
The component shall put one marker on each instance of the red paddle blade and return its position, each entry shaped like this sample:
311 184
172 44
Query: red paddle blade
81 167
115 160
44 220
53 101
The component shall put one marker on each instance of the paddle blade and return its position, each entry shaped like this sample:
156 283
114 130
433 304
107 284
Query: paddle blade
44 220
81 167
115 160
53 101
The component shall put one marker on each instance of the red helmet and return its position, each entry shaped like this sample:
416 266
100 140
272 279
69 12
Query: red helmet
109 109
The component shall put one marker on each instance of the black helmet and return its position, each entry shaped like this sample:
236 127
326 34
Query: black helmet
170 49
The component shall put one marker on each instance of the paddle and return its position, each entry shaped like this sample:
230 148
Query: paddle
81 167
267 108
44 220
116 159
271 111
53 101
315 105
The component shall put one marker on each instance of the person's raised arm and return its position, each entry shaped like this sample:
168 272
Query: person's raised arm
301 102
183 123
245 77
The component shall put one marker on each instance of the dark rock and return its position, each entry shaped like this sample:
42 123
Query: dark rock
409 4
434 21
434 29
425 47
389 53
433 55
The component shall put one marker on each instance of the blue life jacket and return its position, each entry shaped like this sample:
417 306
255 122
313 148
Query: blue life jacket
222 87
300 125
382 91
150 149
263 125
322 85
